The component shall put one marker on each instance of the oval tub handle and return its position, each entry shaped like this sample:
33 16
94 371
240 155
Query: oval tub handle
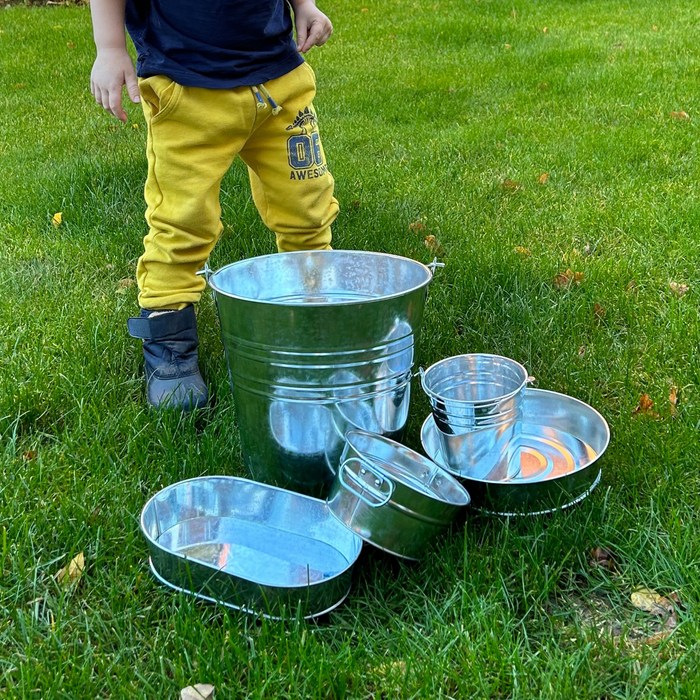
383 498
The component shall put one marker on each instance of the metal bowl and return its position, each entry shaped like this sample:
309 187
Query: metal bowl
250 546
561 441
393 497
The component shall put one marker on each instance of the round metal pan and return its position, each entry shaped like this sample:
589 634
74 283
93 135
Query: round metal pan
559 445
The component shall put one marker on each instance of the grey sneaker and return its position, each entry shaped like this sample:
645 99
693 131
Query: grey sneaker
170 351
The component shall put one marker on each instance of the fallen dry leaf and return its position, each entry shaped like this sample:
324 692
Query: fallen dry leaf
680 116
655 28
364 9
507 46
417 226
566 279
432 244
645 403
581 350
511 186
525 252
650 601
678 289
599 312
673 398
30 455
631 286
355 204
70 44
644 407
70 575
57 219
19 86
126 283
201 691
542 179
545 29
603 558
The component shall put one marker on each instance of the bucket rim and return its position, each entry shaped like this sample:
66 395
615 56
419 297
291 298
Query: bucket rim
348 302
434 396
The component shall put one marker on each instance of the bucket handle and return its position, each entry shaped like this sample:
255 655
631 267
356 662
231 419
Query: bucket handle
205 272
434 265
382 497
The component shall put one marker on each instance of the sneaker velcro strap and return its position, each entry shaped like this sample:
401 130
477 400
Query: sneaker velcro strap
161 325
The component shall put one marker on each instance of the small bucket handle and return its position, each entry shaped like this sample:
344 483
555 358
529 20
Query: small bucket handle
382 497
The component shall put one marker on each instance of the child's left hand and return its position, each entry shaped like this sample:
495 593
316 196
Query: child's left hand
313 27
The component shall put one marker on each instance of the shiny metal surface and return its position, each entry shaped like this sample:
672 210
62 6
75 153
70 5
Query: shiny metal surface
317 343
250 546
393 497
476 402
561 441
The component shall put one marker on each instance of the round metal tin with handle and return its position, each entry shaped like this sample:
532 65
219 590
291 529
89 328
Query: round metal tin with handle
318 343
393 497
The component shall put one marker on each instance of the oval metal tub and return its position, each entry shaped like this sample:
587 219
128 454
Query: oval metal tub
250 546
558 449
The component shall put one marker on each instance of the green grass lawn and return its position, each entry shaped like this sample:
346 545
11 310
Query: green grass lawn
426 109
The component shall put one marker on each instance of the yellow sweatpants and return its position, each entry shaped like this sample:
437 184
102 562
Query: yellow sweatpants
193 136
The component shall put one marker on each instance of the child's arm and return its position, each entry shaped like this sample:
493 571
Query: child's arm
113 67
313 27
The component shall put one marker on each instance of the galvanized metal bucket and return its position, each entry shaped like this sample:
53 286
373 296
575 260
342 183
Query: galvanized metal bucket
318 343
393 497
476 401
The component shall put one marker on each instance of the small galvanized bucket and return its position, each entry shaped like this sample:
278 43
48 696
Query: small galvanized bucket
476 401
393 497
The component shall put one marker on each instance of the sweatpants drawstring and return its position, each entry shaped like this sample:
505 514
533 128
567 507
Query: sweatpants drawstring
260 104
257 89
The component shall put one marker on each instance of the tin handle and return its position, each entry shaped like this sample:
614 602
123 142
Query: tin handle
379 480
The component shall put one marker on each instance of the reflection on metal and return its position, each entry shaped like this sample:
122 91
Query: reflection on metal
476 401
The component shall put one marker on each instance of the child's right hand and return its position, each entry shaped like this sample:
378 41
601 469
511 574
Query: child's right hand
112 70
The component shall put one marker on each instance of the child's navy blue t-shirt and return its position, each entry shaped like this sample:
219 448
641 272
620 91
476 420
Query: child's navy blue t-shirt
213 43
